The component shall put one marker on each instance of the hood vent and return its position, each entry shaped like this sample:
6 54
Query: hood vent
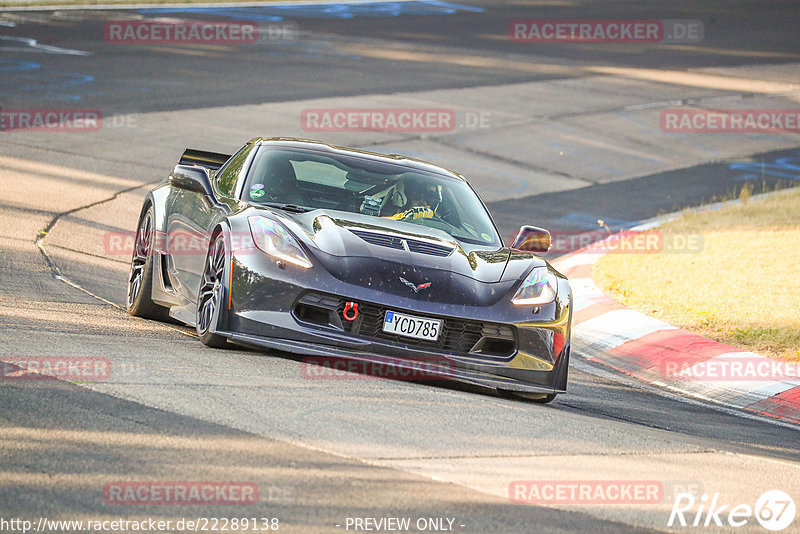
404 243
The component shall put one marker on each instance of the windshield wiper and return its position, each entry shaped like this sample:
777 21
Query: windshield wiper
294 208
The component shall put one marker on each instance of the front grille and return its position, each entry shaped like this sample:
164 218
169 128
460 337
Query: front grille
458 336
396 242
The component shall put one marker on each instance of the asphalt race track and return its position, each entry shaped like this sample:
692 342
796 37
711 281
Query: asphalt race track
557 135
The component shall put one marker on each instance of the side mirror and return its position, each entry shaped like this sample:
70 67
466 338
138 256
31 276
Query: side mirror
192 178
532 239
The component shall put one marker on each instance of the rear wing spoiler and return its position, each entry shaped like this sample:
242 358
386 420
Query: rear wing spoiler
209 160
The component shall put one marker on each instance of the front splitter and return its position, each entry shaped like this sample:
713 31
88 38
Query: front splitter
435 370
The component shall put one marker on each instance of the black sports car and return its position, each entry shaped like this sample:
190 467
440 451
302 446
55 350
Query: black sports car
326 251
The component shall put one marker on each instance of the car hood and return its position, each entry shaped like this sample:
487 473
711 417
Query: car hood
401 258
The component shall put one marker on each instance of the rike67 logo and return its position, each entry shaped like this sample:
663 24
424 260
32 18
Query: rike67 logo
774 510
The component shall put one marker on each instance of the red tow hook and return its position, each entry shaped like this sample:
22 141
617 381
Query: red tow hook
350 307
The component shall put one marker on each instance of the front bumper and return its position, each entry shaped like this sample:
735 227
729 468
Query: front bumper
529 351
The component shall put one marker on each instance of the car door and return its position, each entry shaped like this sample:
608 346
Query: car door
192 218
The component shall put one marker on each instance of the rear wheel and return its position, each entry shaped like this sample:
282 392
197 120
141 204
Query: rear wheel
210 296
140 278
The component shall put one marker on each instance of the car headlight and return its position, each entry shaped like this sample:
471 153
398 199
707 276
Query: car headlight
272 238
539 287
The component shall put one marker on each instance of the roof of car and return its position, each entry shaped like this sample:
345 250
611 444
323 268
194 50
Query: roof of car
325 147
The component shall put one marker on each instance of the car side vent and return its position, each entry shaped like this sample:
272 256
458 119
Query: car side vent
165 273
396 242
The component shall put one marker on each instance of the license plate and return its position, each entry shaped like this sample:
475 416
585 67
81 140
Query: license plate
411 326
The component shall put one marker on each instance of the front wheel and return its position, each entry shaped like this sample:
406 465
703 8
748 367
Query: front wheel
210 298
537 398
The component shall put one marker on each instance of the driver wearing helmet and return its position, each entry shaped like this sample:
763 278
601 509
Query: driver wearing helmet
422 199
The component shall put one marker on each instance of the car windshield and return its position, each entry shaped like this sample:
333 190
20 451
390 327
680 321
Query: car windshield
311 179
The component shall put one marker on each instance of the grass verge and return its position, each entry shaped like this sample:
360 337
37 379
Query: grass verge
742 288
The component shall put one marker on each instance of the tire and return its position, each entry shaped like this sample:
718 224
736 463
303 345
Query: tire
140 277
536 398
210 295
